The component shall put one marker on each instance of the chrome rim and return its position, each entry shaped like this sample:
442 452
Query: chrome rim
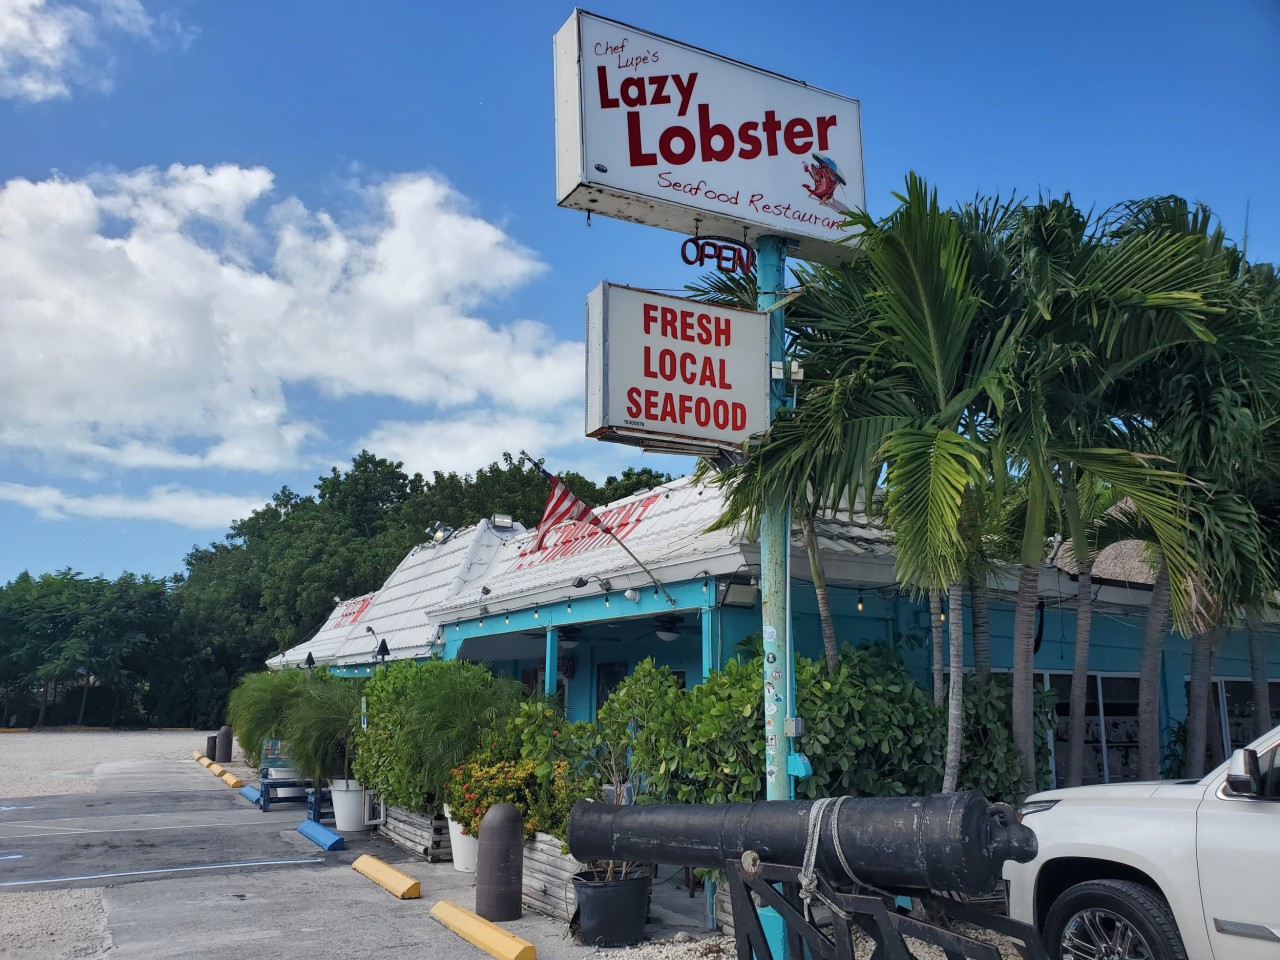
1097 934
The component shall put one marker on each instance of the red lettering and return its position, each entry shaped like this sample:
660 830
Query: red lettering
739 417
637 155
689 367
797 129
666 145
669 322
649 372
824 124
667 364
650 315
633 401
668 408
632 92
606 101
686 406
771 127
722 331
704 321
750 142
708 131
686 325
651 404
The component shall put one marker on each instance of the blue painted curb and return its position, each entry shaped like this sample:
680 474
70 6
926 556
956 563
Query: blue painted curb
320 835
251 794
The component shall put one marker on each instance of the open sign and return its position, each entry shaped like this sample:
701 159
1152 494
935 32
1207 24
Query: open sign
725 255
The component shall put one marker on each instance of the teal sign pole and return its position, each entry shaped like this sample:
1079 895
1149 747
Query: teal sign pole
775 545
775 536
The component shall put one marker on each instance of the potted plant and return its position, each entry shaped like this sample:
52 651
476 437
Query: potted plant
476 785
322 726
258 707
612 895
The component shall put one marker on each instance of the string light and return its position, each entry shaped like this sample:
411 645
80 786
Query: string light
860 607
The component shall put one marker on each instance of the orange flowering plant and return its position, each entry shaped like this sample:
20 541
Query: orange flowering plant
498 775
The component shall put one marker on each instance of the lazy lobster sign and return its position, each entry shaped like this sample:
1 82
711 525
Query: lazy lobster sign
661 133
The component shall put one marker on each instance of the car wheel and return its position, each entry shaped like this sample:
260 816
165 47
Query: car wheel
1112 920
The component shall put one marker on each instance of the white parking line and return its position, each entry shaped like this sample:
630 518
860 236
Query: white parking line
143 873
72 831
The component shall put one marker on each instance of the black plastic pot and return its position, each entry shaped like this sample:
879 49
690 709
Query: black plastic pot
611 912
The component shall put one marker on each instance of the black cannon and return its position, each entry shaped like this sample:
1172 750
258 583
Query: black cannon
849 855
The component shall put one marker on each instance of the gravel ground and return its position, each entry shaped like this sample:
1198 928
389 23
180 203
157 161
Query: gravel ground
56 763
58 924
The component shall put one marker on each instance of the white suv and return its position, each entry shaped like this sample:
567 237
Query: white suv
1167 870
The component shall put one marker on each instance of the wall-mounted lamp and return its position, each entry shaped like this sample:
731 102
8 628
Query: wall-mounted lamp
739 595
632 595
485 591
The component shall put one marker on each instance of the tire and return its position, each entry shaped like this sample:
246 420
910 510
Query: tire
1089 917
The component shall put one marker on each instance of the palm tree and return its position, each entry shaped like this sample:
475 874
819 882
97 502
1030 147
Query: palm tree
1098 299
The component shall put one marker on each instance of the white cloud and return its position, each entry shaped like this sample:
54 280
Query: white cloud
198 509
47 46
156 319
472 440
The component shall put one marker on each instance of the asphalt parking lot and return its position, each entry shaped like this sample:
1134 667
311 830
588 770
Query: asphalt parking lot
189 868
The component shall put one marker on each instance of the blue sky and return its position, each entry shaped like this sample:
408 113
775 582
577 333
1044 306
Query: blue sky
240 241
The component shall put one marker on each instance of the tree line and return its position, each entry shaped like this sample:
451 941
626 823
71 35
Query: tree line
144 650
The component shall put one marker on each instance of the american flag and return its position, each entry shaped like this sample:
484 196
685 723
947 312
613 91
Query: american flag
561 505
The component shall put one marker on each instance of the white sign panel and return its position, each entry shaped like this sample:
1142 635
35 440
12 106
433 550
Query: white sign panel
654 131
674 374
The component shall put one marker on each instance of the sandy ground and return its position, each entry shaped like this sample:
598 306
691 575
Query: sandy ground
56 924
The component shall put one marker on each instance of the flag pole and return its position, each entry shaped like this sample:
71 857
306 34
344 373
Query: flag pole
603 527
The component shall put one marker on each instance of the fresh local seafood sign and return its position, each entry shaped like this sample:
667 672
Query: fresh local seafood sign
669 373
654 131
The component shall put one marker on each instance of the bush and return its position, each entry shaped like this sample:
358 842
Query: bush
322 723
258 707
869 731
423 721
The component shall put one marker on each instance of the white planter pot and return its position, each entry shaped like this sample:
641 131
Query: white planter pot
465 848
348 806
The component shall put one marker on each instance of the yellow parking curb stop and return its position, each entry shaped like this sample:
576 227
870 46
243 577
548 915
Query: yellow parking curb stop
387 876
231 780
489 937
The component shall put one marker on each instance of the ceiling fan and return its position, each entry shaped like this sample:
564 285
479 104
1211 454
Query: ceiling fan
669 628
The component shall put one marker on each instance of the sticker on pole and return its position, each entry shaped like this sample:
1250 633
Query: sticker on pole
671 374
654 131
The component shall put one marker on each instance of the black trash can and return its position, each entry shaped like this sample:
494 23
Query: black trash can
224 745
211 746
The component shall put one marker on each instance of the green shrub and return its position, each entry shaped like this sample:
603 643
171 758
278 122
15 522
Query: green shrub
258 706
321 725
870 731
423 721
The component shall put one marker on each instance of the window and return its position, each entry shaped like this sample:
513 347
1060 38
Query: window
1110 731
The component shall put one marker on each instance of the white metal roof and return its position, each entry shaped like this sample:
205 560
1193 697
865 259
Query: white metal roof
666 528
430 575
329 639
